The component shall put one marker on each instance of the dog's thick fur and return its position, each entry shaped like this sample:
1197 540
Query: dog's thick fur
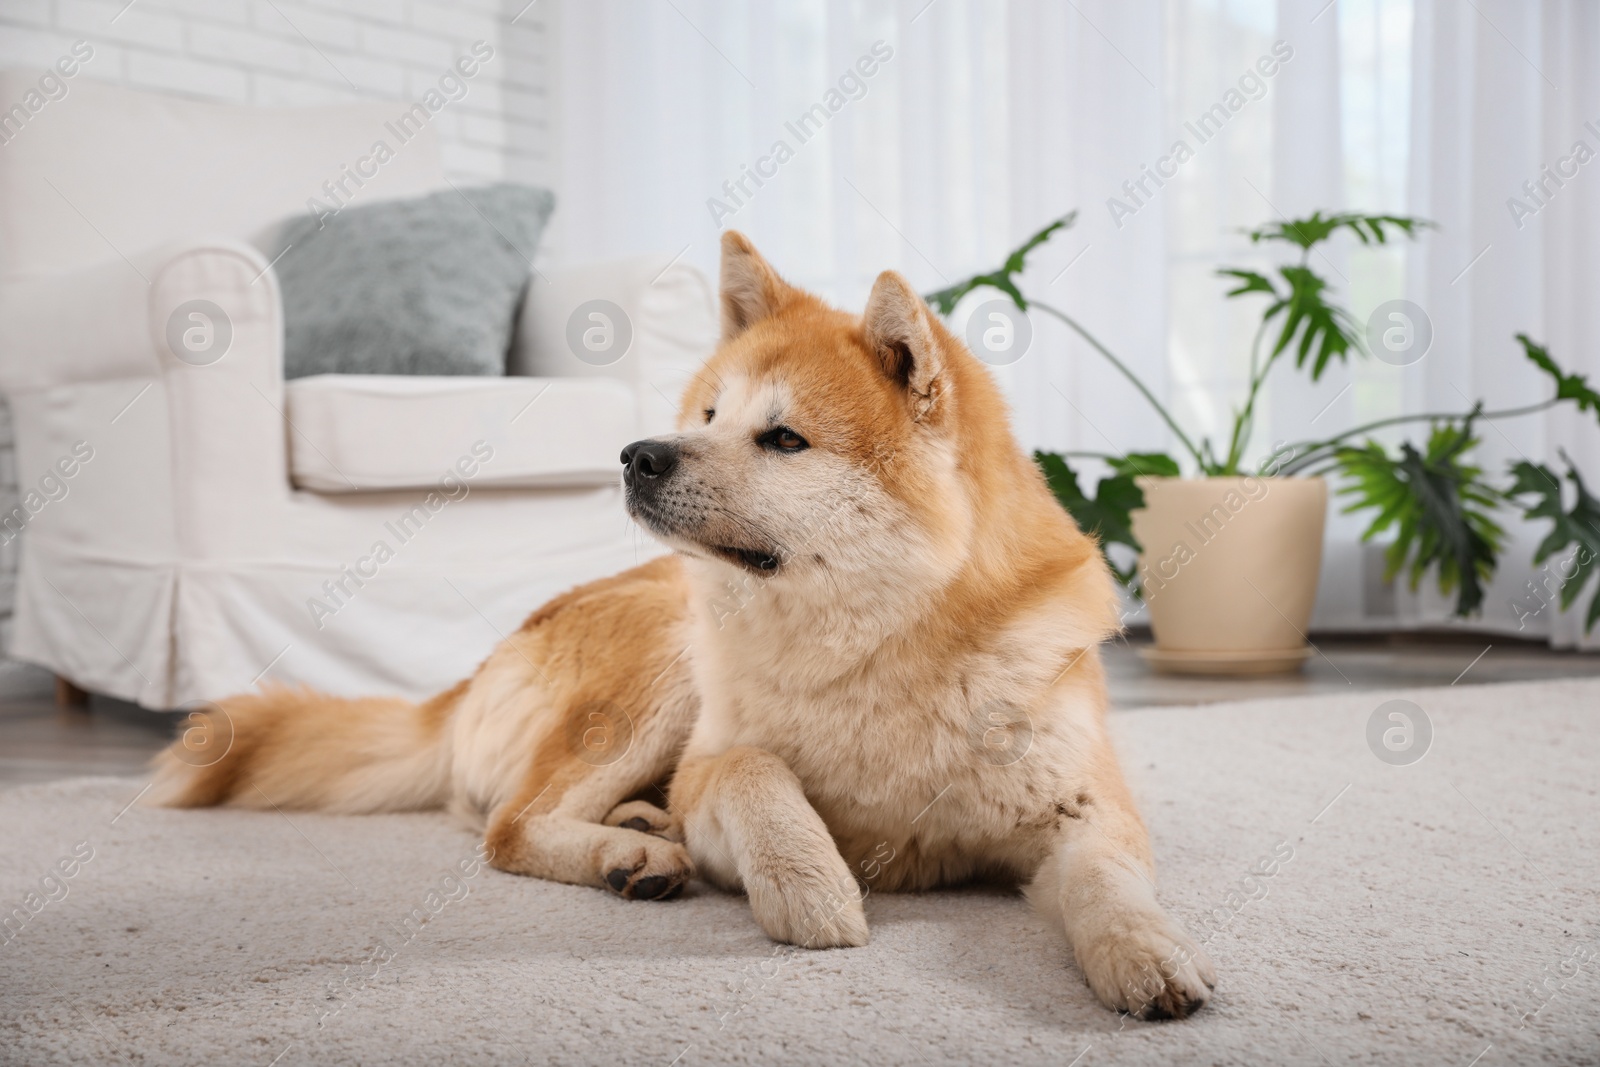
871 662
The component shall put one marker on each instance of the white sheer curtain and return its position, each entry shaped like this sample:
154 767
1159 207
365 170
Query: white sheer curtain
1503 89
980 121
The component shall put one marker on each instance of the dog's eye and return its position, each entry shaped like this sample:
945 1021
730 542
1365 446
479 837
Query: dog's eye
783 439
709 413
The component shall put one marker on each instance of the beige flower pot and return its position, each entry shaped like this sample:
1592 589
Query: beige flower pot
1229 571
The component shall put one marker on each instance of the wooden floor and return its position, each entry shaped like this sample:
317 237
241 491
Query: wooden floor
39 742
1341 663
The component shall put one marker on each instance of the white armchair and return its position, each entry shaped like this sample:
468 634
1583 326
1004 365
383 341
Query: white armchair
191 523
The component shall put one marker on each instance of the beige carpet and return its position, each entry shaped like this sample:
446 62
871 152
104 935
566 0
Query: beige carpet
1442 912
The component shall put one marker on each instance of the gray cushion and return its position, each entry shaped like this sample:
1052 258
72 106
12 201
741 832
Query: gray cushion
423 286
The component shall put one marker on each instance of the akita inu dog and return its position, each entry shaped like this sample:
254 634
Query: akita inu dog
871 660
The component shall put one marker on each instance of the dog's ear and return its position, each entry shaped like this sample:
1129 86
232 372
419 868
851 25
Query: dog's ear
751 289
899 328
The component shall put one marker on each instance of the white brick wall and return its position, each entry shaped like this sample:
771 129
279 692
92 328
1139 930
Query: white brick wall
296 52
290 52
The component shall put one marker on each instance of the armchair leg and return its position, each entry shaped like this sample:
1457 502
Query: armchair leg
69 695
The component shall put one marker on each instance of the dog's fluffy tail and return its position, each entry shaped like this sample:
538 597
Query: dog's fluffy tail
297 749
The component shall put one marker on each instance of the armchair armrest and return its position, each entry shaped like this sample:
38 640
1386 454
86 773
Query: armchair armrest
83 325
216 325
668 326
100 322
202 324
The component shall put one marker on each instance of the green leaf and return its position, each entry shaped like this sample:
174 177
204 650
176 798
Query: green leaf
1153 464
1322 327
945 300
1574 387
1250 282
1108 515
1579 528
1438 505
1324 330
1307 232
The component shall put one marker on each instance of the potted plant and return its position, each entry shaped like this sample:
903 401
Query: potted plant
1227 559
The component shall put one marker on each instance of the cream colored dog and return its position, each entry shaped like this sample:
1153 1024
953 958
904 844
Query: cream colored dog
871 662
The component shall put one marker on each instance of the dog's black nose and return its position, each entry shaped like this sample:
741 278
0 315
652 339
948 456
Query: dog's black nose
649 459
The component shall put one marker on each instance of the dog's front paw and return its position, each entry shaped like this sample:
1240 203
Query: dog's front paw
814 904
646 818
1148 967
641 867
